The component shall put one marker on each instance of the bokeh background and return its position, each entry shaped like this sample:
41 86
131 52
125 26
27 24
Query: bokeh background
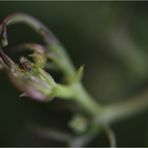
110 38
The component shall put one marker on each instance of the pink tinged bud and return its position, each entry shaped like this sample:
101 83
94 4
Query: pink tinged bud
30 77
33 87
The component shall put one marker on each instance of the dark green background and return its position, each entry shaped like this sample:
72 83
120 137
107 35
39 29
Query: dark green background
111 73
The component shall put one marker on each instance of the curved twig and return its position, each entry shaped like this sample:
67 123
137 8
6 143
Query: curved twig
111 136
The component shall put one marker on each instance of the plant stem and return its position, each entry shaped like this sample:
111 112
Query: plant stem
119 111
80 95
86 100
63 61
107 114
33 23
111 136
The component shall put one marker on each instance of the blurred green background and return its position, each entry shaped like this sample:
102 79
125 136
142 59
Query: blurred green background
110 38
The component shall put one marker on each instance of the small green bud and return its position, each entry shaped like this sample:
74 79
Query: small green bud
39 55
79 124
77 76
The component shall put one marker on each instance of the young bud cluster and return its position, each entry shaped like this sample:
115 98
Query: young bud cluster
30 76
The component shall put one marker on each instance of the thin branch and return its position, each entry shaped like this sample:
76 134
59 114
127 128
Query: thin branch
124 109
111 136
82 141
53 134
35 24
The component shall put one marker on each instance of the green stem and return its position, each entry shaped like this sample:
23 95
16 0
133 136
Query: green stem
35 24
86 100
62 60
122 110
80 95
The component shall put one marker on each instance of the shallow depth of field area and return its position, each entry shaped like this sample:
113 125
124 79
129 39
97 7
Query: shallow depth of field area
111 40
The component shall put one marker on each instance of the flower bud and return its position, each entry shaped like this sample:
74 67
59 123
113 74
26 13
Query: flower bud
30 77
